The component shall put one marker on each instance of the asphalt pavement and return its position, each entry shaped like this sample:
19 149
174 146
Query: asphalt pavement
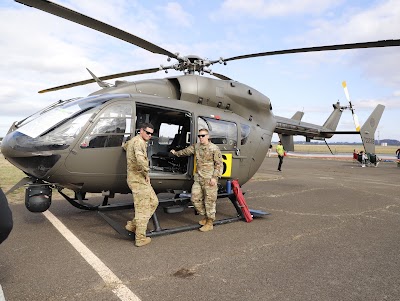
333 234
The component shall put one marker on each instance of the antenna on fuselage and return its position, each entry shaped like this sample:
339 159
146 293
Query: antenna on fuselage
98 80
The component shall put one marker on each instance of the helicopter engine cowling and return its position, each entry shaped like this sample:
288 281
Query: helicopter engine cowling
38 198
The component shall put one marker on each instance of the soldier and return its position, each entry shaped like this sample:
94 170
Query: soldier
208 171
144 197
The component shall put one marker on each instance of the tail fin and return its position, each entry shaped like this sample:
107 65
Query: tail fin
369 127
332 122
298 116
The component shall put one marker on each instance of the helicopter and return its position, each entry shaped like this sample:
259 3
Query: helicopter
75 144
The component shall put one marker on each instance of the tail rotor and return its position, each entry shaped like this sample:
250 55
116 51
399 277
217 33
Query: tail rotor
355 117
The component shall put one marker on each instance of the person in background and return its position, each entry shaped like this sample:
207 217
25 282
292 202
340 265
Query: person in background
269 151
281 152
208 170
398 153
144 198
364 158
355 155
6 221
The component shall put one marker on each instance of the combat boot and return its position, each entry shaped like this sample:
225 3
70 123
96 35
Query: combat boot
130 226
142 242
203 221
208 226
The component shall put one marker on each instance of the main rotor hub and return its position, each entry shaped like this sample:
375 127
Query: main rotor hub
192 63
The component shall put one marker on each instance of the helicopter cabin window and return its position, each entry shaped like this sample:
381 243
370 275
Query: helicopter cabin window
244 133
111 129
168 133
223 133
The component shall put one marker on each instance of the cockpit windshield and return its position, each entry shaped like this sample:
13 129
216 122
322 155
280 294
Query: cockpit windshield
56 127
59 112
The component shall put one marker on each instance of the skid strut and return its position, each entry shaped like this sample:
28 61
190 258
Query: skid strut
183 201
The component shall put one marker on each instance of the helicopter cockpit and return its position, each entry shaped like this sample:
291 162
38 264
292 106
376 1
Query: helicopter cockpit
56 126
52 129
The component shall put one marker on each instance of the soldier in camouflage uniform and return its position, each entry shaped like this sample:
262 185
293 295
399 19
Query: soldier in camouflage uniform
144 197
208 171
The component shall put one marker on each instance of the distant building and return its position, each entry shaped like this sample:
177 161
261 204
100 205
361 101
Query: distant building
384 144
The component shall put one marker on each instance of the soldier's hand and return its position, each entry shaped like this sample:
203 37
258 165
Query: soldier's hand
213 181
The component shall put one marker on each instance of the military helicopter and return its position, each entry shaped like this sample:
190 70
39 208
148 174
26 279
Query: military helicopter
75 144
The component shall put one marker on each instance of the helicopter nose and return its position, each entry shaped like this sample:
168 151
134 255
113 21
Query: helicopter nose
6 148
24 157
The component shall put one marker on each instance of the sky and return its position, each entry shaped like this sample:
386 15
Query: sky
39 51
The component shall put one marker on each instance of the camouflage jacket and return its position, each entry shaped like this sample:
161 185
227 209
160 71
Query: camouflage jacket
208 159
136 158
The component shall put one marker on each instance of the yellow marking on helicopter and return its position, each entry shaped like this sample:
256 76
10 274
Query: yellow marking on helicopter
227 165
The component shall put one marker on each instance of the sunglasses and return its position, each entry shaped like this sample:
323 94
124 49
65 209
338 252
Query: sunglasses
148 133
201 136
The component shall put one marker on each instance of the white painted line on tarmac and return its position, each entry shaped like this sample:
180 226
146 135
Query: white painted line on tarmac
2 298
121 290
374 182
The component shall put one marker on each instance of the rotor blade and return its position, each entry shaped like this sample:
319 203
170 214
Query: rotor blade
382 43
346 92
355 117
221 76
356 122
88 81
79 18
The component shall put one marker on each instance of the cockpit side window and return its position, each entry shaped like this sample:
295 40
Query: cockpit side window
244 133
223 133
112 127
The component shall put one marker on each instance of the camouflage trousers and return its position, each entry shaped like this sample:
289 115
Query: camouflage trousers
146 202
204 197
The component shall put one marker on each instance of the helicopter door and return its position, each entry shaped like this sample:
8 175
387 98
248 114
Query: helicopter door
99 150
225 135
171 131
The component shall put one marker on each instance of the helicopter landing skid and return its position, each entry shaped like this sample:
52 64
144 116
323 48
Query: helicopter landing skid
159 231
80 204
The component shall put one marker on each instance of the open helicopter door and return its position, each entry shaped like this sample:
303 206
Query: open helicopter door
172 130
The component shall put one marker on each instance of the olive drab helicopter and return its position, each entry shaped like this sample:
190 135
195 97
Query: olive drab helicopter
75 144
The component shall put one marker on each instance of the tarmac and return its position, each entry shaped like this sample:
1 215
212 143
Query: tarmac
332 234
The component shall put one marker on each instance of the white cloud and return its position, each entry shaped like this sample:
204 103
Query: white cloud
276 8
378 22
352 25
175 13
